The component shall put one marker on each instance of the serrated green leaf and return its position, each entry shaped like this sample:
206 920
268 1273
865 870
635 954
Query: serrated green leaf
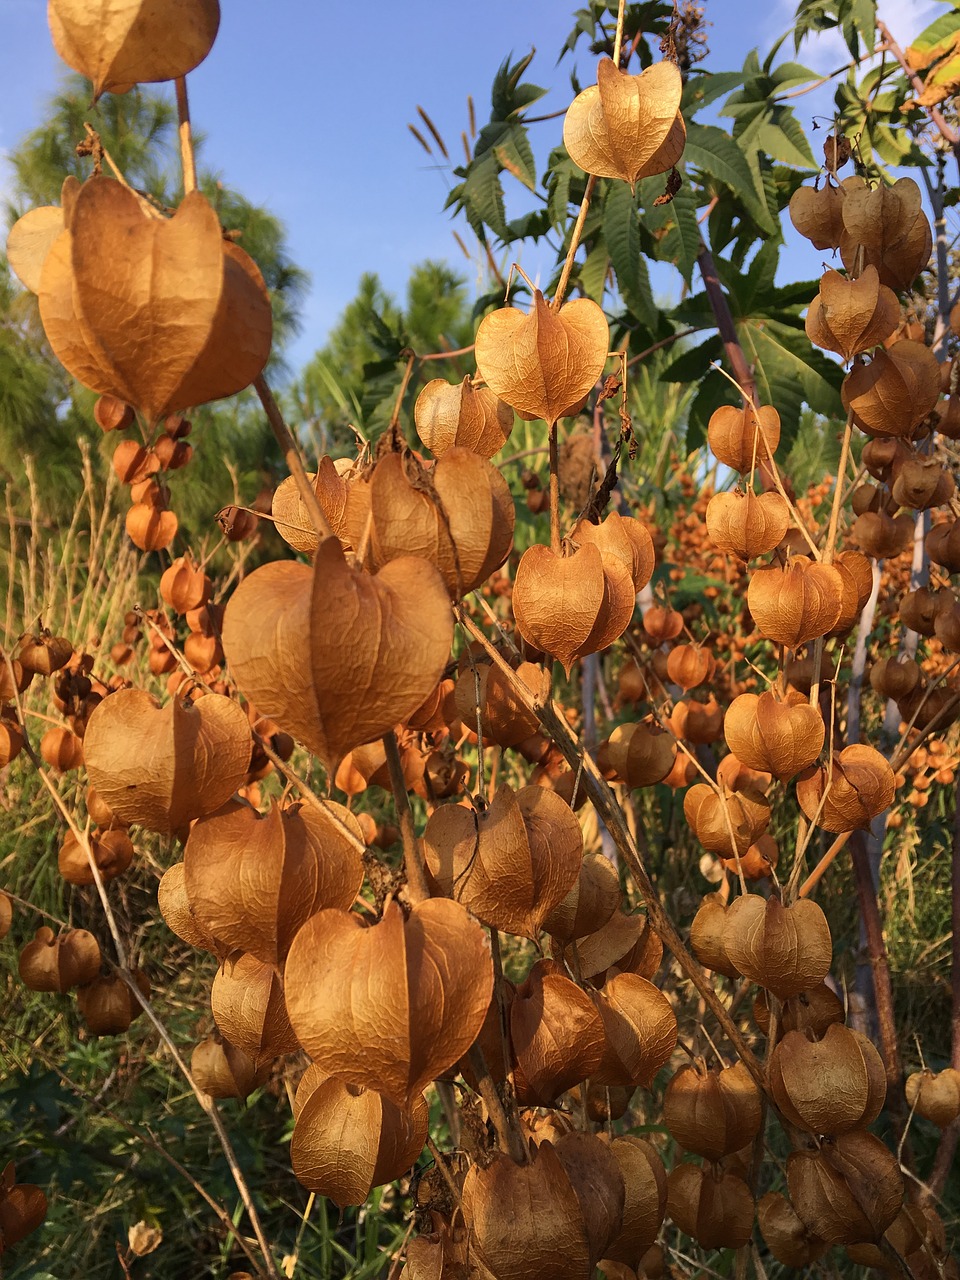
515 154
593 273
621 231
782 138
483 192
700 90
789 74
717 154
694 364
681 243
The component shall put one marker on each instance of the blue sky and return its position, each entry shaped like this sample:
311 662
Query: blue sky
305 109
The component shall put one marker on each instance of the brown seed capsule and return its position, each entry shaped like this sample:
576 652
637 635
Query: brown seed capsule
848 1191
715 1208
935 1095
112 851
707 935
785 949
743 438
711 1112
847 793
790 1242
828 1085
224 1071
57 963
108 1005
726 824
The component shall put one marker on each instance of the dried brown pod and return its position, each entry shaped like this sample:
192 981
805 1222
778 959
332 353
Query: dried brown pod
348 1140
58 962
591 902
907 1234
935 1095
621 537
817 213
856 574
150 528
335 656
6 913
626 943
707 934
645 1199
173 454
31 239
790 1242
811 1012
922 483
889 224
331 484
882 456
919 609
43 654
108 1005
746 524
11 740
160 767
112 414
851 316
627 126
22 1208
662 624
892 394
828 1085
712 1112
895 677
504 716
785 949
881 535
112 851
778 737
224 1071
431 972
796 603
61 749
461 415
743 438
247 1001
252 881
639 754
849 1190
184 585
848 792
942 545
713 1207
511 864
175 908
640 1029
759 860
726 824
697 722
133 463
689 665
557 1036
543 363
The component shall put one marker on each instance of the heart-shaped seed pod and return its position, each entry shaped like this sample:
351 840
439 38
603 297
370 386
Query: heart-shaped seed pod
247 1001
726 824
444 1251
11 740
759 860
184 586
715 1208
331 483
923 706
851 316
569 606
133 42
812 1012
894 392
895 677
175 908
252 881
697 722
460 415
22 1208
890 226
746 524
511 864
645 1199
627 126
625 943
61 749
161 767
848 1191
108 1005
707 934
224 1071
919 609
882 456
429 976
942 545
31 238
922 483
689 665
817 213
785 949
777 737
856 574
336 657
849 792
149 527
881 535
504 717
348 1140
796 603
543 363
785 1235
935 1095
661 624
591 902
639 754
640 1028
544 1234
557 1036
458 516
44 654
736 436
710 1112
57 963
624 538
828 1085
598 1183
112 851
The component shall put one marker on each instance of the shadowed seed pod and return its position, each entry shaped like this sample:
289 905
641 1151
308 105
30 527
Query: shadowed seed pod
892 394
638 754
817 213
830 1085
746 525
591 902
59 962
707 934
785 949
331 484
943 545
895 677
108 1005
726 824
697 722
640 1029
922 483
713 1207
856 574
61 749
112 851
743 438
176 911
44 654
645 1199
557 1035
505 718
881 535
849 792
885 227
777 737
919 609
224 1071
247 1001
712 1112
849 1190
851 316
625 944
813 1012
689 665
785 1235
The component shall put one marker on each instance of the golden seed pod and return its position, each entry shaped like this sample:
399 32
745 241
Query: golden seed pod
849 792
828 1085
935 1095
707 934
712 1112
248 1006
743 438
639 754
746 525
726 824
851 316
224 1071
715 1208
645 1201
59 962
892 394
817 213
450 415
796 603
785 949
778 737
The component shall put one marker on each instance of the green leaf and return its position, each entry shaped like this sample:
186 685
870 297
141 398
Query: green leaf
783 138
593 273
678 220
715 153
702 89
508 95
692 365
483 193
934 41
621 231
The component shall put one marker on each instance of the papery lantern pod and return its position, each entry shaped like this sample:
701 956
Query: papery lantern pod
202 652
367 766
457 516
736 436
785 949
905 1235
662 624
812 1012
591 902
851 316
697 722
224 1071
108 1005
935 1095
134 42
713 1207
160 767
796 603
252 881
557 1036
726 824
627 943
112 851
631 683
573 605
828 1085
604 1102
848 792
505 719
790 1242
391 1006
595 1175
890 225
923 706
759 860
151 528
640 1029
61 749
526 1219
335 656
445 1253
707 934
684 772
817 213
247 1001
348 1140
32 236
331 484
778 737
712 1112
544 362
6 913
882 456
184 586
624 538
856 575
512 864
23 1207
895 677
922 483
735 775
11 740
847 1192
59 962
942 545
881 535
689 665
44 654
747 525
639 754
460 415
867 497
645 1201
627 126
175 908
919 609
894 392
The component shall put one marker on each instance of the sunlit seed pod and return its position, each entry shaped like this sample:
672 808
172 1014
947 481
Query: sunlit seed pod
785 949
689 665
58 962
697 722
639 754
892 394
743 438
247 1000
151 528
112 414
747 525
849 316
849 1190
640 1030
707 934
817 214
935 1095
112 851
557 1035
848 792
726 824
796 603
885 227
625 944
224 1071
712 1112
44 654
184 585
662 624
830 1085
590 903
780 737
623 538
461 415
61 749
11 740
